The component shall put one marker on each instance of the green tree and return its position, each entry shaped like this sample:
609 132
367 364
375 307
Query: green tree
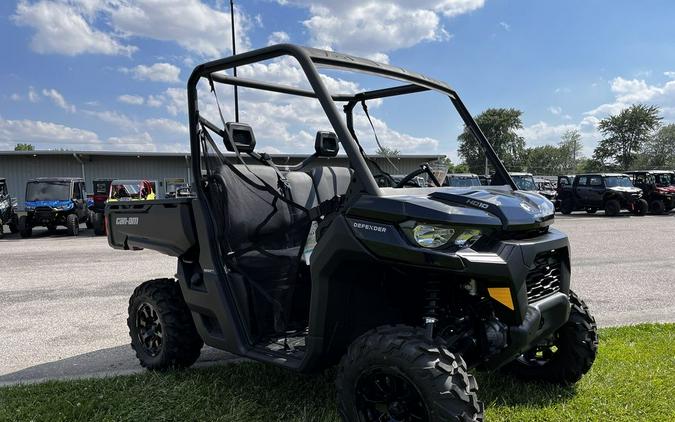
24 147
625 134
570 150
499 126
546 160
659 151
387 152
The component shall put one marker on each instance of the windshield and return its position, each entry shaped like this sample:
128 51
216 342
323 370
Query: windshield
463 181
618 181
48 191
544 185
525 182
665 179
125 190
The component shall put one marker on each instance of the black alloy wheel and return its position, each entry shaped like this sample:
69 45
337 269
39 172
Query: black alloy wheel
149 328
385 394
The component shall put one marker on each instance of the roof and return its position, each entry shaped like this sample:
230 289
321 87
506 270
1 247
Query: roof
651 171
519 173
602 174
56 179
461 175
187 154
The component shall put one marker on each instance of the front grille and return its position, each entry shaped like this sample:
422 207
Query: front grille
544 279
525 234
43 212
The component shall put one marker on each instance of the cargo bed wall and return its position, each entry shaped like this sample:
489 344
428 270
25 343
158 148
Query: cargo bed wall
163 225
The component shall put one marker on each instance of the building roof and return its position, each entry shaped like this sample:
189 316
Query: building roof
187 154
56 179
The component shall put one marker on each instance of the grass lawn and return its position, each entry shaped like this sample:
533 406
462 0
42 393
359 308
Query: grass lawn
632 379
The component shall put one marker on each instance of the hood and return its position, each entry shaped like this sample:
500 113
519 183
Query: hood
624 189
666 189
66 203
497 206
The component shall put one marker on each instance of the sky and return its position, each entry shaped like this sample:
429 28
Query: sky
111 74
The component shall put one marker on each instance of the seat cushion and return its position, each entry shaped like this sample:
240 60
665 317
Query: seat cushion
330 181
302 189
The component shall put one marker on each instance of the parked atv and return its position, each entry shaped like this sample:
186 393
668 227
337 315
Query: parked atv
306 266
658 187
545 188
7 210
458 180
99 197
55 201
609 191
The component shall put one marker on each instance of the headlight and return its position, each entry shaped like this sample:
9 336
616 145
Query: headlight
432 236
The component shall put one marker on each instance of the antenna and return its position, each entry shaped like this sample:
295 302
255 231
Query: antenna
234 69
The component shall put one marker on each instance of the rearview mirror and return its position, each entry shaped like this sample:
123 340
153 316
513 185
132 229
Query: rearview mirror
242 136
326 144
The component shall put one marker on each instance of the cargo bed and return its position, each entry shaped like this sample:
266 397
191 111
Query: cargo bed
163 225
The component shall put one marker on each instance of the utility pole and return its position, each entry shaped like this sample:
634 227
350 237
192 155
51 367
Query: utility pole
234 69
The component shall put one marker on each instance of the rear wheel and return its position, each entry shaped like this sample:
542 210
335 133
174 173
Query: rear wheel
14 224
612 207
395 373
162 332
641 207
89 222
25 228
657 206
97 222
567 356
73 224
566 206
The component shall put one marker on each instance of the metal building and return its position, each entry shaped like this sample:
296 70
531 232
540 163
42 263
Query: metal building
20 166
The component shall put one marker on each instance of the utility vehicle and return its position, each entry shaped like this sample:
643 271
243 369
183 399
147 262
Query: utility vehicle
609 191
55 201
306 267
99 197
545 188
658 188
7 210
461 180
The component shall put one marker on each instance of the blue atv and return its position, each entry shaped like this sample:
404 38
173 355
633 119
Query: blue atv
7 210
55 201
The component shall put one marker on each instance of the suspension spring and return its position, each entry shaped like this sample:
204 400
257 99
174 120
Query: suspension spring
432 292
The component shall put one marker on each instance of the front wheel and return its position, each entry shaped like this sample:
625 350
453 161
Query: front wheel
73 224
612 207
14 224
98 223
25 228
162 332
567 356
566 206
394 373
640 207
657 207
89 222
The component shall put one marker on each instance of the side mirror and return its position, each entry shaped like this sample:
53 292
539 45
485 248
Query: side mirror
326 144
242 136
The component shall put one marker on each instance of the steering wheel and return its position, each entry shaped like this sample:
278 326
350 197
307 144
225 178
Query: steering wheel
424 168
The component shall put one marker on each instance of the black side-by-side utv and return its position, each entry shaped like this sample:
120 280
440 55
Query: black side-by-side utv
55 201
309 266
7 210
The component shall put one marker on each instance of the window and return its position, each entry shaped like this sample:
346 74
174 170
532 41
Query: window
596 181
582 181
77 192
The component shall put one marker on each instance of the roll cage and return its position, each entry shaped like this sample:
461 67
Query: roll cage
309 59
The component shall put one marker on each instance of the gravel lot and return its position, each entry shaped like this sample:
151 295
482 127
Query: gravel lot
64 299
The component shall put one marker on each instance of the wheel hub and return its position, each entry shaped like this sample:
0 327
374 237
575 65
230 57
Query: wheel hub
386 395
149 329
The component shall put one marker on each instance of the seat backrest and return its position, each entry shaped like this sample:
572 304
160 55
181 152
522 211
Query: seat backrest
302 189
250 211
330 181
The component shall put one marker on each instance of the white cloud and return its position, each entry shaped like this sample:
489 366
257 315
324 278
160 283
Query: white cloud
505 25
113 117
166 125
555 110
131 99
141 142
631 91
158 72
33 96
387 25
154 100
40 132
669 74
58 99
15 97
192 24
278 37
65 27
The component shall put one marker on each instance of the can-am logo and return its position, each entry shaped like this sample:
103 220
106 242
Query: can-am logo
126 221
370 227
478 204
